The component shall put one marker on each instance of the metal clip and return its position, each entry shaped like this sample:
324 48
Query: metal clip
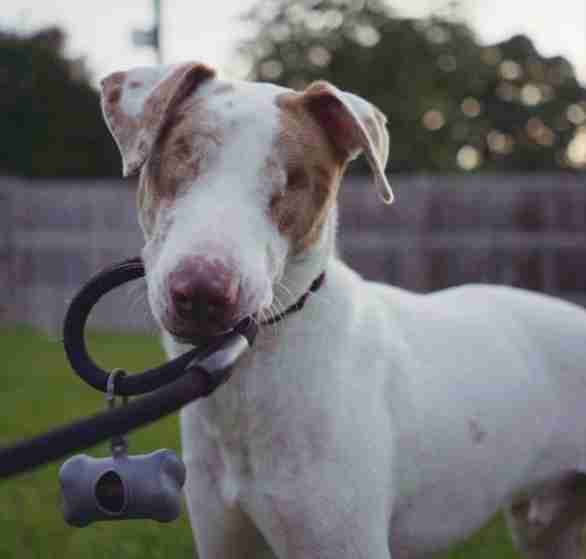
119 443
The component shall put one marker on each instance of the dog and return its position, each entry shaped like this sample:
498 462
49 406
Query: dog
373 422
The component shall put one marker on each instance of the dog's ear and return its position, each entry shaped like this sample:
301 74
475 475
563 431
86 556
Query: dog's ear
354 126
137 103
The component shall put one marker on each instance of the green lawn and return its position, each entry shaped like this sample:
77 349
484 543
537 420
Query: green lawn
38 391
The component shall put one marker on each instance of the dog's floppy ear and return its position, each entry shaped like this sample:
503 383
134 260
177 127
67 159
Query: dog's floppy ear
137 103
354 126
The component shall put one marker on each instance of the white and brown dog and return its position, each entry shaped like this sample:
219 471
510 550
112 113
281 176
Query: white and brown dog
374 423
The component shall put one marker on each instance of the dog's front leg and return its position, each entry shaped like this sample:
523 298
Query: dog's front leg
221 531
221 528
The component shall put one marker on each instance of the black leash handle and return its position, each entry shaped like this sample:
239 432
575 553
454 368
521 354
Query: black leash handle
132 384
193 375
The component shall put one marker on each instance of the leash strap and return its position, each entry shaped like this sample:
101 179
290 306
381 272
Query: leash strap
84 433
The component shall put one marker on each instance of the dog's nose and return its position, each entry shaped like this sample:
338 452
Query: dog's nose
204 293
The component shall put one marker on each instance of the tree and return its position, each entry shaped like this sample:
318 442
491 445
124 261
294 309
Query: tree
51 118
452 103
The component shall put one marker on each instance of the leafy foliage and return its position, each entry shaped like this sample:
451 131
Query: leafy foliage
452 103
51 117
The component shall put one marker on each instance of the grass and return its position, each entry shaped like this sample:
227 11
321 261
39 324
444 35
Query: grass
39 391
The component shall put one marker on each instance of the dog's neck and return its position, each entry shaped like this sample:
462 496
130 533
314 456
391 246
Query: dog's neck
302 269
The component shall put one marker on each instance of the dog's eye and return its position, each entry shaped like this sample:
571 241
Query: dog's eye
297 179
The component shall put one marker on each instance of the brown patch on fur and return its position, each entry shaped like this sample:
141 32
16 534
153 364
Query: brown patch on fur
136 135
314 170
182 148
114 95
353 126
134 84
117 78
179 154
124 128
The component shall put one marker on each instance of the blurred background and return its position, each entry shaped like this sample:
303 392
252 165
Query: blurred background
487 115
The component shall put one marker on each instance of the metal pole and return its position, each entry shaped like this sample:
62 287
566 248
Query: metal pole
158 20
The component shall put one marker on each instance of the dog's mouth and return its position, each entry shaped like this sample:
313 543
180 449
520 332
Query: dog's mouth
202 299
196 335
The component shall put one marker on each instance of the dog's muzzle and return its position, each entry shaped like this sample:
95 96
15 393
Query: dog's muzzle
203 297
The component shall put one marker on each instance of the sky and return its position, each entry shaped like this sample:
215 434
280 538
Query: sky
208 31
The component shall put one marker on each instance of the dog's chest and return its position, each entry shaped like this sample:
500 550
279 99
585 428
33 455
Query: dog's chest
266 426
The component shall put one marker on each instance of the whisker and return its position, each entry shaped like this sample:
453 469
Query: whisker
264 317
137 287
278 306
317 297
136 292
280 309
273 325
139 295
287 291
277 309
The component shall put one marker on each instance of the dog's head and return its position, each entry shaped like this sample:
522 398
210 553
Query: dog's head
236 182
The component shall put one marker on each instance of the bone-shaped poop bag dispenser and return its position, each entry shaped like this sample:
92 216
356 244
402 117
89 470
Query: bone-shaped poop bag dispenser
145 486
121 487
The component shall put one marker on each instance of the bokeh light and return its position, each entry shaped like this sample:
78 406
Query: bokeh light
471 107
576 114
468 158
433 120
577 149
531 95
499 142
510 70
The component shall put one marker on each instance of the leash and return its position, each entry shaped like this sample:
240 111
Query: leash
195 374
192 375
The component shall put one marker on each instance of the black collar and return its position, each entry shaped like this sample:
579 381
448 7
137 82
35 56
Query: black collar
315 285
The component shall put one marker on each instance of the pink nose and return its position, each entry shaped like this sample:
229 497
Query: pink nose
204 294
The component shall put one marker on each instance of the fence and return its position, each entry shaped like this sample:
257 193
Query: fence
523 230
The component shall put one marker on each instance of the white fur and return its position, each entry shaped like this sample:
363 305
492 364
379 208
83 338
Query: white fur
376 415
375 423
